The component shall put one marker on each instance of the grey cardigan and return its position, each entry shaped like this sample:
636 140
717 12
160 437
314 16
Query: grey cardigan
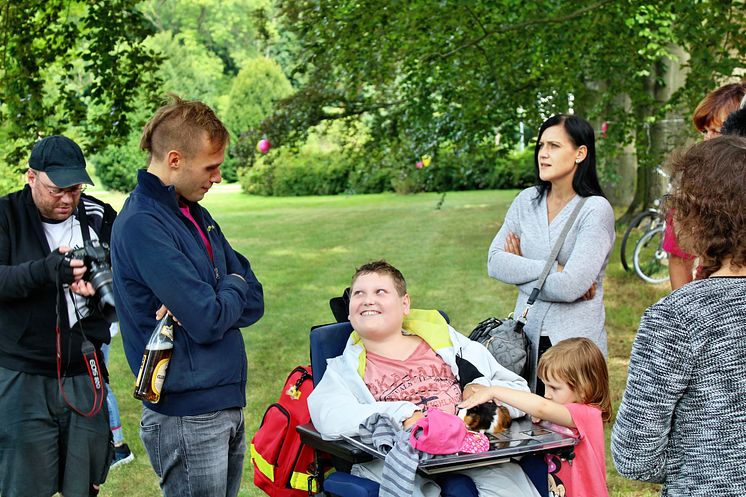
682 421
584 255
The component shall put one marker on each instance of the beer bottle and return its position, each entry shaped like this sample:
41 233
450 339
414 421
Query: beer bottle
155 361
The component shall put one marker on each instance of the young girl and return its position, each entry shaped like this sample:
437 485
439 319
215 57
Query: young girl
576 396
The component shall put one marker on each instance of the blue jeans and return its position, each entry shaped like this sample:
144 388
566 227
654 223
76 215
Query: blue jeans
196 456
115 420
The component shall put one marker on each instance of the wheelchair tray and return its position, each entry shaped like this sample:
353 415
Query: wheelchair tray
351 453
522 438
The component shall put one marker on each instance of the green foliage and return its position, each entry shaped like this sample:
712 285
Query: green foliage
189 69
259 84
289 174
423 74
71 63
516 170
229 169
10 179
315 172
257 180
320 175
483 168
225 28
454 170
117 165
202 45
370 177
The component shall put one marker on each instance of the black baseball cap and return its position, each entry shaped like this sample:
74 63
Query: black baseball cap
62 160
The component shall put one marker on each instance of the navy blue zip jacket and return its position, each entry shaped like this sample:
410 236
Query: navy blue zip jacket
158 257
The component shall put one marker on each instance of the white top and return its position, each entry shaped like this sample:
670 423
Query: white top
68 233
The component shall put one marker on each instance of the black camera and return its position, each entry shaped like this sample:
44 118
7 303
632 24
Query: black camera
95 256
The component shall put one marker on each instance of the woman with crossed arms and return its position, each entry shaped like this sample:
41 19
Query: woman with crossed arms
571 301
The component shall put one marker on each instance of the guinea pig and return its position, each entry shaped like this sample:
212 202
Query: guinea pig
488 417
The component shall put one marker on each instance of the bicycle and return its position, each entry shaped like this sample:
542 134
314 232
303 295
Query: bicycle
649 259
643 222
645 233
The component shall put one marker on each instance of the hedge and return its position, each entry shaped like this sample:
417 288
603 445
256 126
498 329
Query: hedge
322 173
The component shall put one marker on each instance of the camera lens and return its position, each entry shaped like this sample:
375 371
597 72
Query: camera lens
101 279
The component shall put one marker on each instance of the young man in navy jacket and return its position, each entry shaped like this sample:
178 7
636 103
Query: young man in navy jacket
169 255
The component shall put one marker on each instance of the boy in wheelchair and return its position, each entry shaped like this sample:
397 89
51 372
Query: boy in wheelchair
400 362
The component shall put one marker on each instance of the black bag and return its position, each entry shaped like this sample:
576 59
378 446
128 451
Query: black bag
506 341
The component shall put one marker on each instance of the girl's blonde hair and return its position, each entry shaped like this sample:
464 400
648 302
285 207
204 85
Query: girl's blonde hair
579 363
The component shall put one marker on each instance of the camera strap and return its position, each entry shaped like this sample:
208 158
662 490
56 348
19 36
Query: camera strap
94 375
86 348
94 372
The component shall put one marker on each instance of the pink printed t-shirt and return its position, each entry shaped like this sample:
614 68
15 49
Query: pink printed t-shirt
585 474
423 378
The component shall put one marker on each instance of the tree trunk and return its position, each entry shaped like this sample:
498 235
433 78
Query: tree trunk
653 142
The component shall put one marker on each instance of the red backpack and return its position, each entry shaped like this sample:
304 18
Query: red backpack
281 462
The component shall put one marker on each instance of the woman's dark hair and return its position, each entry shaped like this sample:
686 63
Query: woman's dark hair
585 182
708 201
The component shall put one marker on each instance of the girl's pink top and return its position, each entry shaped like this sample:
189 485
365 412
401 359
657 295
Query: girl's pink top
584 474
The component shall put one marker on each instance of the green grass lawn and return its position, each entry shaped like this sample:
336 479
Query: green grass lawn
304 251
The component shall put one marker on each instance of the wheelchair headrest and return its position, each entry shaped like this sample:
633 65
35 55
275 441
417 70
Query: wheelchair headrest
327 341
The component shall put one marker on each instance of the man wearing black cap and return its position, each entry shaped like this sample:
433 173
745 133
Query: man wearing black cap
51 372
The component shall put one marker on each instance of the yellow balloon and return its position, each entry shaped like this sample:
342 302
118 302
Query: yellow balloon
426 159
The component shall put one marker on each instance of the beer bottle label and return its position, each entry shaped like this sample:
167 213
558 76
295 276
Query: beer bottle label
159 375
142 368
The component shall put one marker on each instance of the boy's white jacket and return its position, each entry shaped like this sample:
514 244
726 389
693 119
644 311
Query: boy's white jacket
341 401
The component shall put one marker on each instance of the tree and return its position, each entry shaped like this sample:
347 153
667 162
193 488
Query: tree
424 73
259 84
197 42
189 69
71 64
223 27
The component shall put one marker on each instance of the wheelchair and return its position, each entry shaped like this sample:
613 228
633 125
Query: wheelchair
327 341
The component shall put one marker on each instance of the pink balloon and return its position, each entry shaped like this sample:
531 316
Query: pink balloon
604 127
419 164
263 146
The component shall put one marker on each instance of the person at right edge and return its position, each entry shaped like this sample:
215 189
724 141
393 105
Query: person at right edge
708 118
682 420
169 255
571 303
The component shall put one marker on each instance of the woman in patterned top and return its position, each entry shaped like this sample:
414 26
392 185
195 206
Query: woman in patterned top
682 421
